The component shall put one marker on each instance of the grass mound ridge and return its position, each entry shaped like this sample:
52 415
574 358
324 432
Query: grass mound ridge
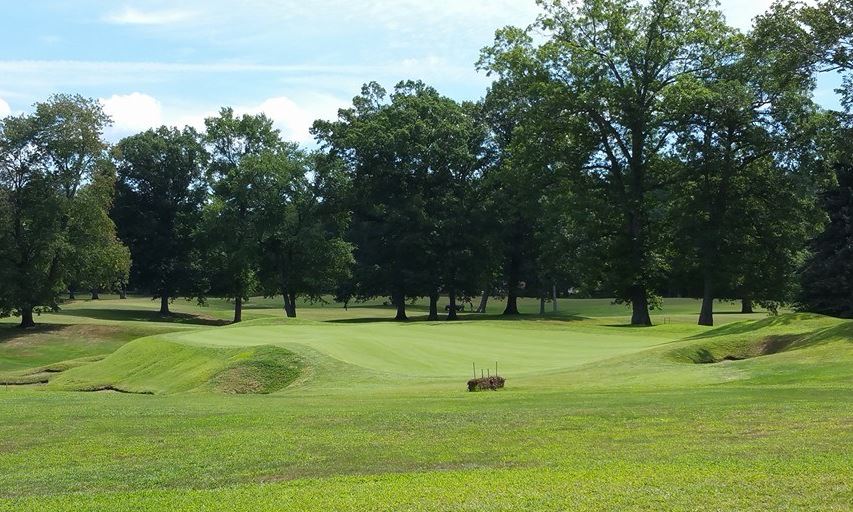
157 366
43 374
748 340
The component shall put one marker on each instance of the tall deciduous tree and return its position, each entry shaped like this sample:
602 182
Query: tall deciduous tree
301 249
98 259
827 277
239 180
49 157
410 160
743 202
613 63
32 238
161 191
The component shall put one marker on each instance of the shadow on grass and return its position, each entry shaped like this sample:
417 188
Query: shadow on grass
141 315
463 317
754 325
12 331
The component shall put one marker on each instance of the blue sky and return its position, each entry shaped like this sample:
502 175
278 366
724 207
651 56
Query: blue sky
175 62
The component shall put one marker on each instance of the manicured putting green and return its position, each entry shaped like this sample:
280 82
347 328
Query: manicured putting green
439 349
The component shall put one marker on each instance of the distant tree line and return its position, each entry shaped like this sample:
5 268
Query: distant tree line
625 149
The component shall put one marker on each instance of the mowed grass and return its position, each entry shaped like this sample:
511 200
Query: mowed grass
368 414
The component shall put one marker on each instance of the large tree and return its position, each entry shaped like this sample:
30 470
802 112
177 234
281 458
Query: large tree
32 238
239 147
299 229
742 202
98 259
49 158
161 191
70 132
613 64
827 277
411 157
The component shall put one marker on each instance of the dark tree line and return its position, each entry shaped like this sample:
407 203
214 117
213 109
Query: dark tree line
625 149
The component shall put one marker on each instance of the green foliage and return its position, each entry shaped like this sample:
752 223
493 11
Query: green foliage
55 191
239 181
301 251
412 161
161 190
827 277
742 203
611 69
97 259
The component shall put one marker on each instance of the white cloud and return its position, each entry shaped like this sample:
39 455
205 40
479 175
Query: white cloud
132 113
131 16
295 117
5 110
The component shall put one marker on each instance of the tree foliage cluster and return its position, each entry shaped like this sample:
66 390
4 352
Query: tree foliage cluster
628 149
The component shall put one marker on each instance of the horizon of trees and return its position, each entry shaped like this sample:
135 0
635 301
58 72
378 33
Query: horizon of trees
625 149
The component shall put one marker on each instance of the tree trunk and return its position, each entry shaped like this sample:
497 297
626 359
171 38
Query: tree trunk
640 306
95 295
542 304
122 291
746 306
483 301
290 304
433 307
71 294
238 310
452 315
27 318
286 298
512 285
554 297
511 303
164 303
400 303
706 316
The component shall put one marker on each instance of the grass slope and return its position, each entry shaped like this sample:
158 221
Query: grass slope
153 365
596 416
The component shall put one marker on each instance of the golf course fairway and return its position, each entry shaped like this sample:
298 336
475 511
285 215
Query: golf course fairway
105 406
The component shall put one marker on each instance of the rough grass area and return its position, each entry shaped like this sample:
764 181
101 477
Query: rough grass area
345 410
261 370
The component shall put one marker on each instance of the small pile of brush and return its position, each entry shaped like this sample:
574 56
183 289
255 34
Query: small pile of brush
493 383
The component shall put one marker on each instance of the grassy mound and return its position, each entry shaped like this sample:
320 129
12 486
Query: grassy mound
43 374
154 365
774 335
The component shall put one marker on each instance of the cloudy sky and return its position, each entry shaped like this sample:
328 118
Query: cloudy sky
158 61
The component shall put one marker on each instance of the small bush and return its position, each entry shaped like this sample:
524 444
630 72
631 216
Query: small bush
493 383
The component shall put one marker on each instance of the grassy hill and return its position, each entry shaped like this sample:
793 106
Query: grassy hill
343 410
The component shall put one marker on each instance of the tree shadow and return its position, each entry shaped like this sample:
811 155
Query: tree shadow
141 315
12 331
754 325
462 317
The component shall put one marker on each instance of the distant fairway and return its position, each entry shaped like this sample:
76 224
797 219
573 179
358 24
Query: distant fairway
345 410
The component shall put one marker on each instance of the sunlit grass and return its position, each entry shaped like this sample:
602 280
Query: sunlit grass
595 416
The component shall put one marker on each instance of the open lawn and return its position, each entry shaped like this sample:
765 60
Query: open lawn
344 410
